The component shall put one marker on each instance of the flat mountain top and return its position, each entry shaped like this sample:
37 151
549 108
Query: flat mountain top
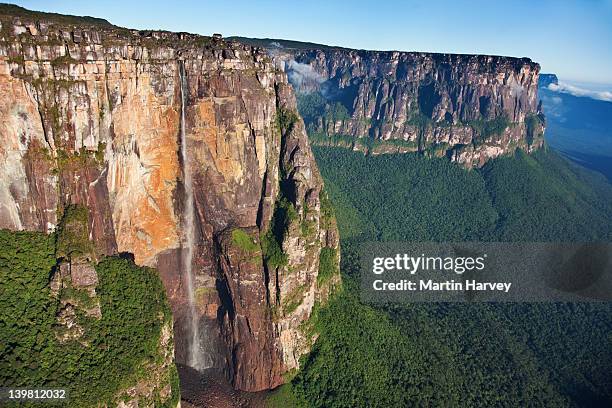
11 10
304 46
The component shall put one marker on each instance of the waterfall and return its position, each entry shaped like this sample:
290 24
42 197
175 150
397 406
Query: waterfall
195 351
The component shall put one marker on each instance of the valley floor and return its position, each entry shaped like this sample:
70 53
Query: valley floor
210 389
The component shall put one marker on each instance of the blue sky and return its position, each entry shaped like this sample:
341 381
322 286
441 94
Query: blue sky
570 38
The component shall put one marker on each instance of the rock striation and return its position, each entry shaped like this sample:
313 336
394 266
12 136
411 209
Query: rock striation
470 108
90 115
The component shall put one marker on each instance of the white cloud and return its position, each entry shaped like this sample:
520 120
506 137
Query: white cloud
303 75
578 91
553 107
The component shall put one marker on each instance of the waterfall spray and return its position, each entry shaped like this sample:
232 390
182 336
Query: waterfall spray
195 351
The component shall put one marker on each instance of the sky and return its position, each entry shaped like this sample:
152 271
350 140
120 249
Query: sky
569 38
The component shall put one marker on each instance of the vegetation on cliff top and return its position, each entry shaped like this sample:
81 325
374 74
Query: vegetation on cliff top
16 11
72 237
113 353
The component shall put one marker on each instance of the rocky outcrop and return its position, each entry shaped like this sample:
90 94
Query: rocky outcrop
74 285
90 117
470 108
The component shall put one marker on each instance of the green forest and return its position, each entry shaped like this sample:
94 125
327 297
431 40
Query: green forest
375 356
458 354
408 197
114 351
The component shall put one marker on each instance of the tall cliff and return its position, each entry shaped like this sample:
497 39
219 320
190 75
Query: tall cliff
470 108
90 115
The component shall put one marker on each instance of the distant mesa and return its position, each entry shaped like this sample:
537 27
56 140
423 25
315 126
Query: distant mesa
547 79
468 108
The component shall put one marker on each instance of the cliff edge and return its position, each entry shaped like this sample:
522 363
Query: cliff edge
116 120
470 108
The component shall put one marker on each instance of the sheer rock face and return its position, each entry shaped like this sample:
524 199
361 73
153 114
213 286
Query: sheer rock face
91 114
434 103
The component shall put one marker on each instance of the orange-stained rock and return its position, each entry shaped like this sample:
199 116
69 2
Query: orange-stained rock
143 169
28 196
92 116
